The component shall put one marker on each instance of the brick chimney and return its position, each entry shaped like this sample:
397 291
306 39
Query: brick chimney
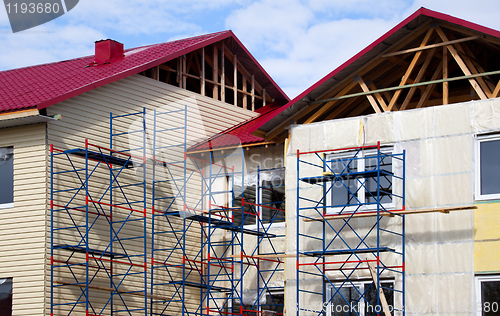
107 51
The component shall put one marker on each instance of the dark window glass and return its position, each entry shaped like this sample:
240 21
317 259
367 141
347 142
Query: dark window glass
273 200
372 308
490 166
385 181
6 175
490 297
347 301
6 297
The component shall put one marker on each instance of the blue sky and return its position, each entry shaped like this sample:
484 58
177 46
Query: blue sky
296 41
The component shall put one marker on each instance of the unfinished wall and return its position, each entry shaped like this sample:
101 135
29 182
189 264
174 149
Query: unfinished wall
22 227
87 117
440 165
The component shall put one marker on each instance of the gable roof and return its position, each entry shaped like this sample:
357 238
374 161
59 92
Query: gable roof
43 85
349 67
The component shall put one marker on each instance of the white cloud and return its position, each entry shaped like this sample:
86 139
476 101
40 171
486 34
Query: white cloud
300 41
43 45
297 41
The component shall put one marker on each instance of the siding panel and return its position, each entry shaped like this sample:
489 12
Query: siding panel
22 228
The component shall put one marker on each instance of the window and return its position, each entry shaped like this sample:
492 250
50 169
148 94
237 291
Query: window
6 297
273 306
6 177
488 168
270 201
348 301
355 188
488 295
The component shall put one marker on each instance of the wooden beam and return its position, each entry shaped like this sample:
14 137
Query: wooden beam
378 59
370 98
215 73
203 71
223 77
329 104
462 65
474 66
416 49
381 295
235 79
184 79
264 97
445 76
444 210
253 93
379 97
497 89
297 115
340 109
427 93
179 71
245 94
410 69
420 74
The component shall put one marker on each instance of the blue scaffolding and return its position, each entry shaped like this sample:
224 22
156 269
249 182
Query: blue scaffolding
98 225
349 219
202 240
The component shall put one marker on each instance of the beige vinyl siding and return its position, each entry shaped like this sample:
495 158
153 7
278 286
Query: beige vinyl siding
22 227
87 117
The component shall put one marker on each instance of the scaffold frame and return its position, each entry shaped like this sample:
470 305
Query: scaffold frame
353 246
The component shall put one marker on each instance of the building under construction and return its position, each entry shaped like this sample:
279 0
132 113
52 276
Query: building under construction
179 179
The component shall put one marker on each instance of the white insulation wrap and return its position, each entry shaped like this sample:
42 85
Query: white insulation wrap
440 164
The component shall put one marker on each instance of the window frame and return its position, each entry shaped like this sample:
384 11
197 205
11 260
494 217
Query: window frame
276 223
9 204
328 311
479 301
480 139
389 150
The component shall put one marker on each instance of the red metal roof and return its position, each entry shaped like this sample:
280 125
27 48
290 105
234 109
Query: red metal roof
43 85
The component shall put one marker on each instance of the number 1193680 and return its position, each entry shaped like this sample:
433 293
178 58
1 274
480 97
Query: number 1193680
32 8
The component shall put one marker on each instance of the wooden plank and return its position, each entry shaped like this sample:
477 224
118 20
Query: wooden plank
420 75
253 93
370 98
410 69
416 49
235 79
215 73
203 71
328 105
381 295
475 67
223 76
430 88
494 94
245 93
340 109
379 97
462 65
445 75
444 210
378 59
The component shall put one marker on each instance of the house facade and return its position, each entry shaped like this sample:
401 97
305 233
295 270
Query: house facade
178 179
